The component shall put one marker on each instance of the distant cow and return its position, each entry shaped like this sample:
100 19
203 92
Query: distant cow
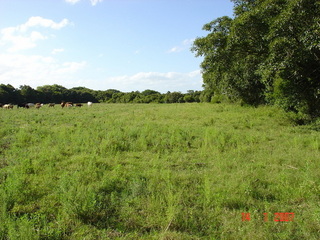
78 105
30 104
66 104
89 104
51 104
38 105
8 106
22 105
69 104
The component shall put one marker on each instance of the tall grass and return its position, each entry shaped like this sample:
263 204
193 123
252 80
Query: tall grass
180 171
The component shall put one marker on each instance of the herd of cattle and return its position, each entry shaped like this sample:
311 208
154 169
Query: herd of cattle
39 105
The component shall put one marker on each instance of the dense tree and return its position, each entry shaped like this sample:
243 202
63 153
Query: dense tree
149 92
216 57
57 93
268 53
53 93
174 97
8 94
192 96
151 96
108 94
292 70
28 94
83 94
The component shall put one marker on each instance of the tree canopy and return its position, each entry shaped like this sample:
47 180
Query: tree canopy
269 52
57 93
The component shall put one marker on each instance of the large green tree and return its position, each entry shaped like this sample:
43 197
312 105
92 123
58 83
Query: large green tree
292 70
213 48
269 52
28 94
8 94
53 93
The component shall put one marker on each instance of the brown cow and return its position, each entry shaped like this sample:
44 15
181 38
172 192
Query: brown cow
38 105
66 104
69 104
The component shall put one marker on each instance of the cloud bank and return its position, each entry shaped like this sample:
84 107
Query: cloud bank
163 82
18 68
36 70
23 36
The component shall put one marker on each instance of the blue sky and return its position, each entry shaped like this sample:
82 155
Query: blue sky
127 45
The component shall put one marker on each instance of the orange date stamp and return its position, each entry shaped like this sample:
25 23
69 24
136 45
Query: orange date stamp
277 217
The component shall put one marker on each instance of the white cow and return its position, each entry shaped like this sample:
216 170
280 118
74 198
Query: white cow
89 104
8 106
30 104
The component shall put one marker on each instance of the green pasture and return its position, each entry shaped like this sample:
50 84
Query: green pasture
157 171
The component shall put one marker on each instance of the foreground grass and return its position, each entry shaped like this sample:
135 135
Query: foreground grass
180 171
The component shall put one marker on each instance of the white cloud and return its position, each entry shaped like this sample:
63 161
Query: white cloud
175 49
70 67
21 37
185 44
72 1
43 22
19 42
93 2
57 50
163 82
188 42
35 70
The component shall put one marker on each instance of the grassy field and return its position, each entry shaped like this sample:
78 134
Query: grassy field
166 171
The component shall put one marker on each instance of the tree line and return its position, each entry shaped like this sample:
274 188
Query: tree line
57 93
268 53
